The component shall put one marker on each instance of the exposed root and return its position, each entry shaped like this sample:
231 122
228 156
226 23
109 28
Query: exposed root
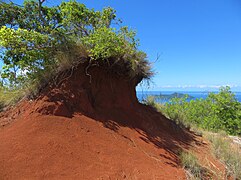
71 73
86 70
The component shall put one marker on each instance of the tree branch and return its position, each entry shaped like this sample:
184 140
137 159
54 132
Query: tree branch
40 2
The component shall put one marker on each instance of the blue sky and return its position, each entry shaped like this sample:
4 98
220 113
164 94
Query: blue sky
198 41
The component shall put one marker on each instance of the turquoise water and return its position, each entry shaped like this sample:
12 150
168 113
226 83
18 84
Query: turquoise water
141 95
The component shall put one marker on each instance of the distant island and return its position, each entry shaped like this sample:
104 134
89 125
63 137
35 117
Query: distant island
170 96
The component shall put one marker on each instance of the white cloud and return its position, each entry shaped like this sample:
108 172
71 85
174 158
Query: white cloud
202 86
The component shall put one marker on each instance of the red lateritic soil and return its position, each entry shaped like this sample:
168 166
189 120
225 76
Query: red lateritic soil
45 146
98 130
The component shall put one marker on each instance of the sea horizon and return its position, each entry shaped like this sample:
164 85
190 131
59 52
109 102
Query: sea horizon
141 95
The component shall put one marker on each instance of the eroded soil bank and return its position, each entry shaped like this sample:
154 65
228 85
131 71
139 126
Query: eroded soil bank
82 129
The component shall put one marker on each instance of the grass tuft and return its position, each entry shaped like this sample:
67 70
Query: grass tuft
190 163
150 101
10 97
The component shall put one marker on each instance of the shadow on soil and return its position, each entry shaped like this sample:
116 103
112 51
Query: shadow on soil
152 128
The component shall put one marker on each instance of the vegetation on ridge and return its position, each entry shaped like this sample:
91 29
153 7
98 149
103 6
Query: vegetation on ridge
33 35
37 42
220 111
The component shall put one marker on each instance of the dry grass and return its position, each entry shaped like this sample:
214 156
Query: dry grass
64 61
10 97
228 153
72 56
190 163
150 101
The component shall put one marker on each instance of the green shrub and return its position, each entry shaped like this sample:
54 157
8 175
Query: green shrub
105 43
227 110
176 110
217 112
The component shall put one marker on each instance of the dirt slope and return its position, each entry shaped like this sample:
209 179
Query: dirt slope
77 129
81 147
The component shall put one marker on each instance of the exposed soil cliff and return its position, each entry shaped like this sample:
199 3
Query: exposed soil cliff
90 127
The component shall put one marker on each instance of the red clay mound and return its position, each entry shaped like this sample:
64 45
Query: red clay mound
77 129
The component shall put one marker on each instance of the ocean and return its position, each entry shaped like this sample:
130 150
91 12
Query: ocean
141 95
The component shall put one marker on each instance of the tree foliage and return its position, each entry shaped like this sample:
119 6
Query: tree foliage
101 43
32 35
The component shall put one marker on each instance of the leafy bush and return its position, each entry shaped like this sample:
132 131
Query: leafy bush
105 43
227 109
217 112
